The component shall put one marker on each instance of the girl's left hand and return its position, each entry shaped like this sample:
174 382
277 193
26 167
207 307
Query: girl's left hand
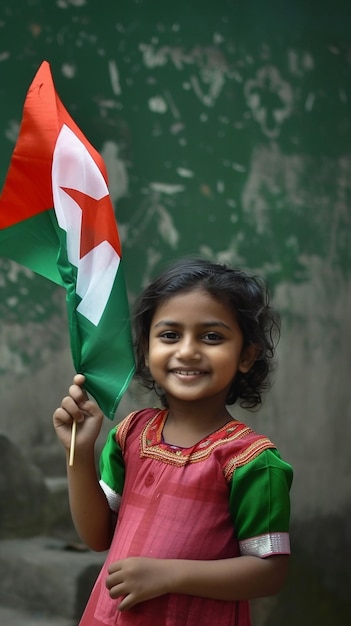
137 579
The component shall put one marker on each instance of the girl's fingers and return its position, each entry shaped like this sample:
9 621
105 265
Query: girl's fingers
62 417
127 603
79 379
78 394
71 406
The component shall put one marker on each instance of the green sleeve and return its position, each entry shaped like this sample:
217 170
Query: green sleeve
259 496
112 470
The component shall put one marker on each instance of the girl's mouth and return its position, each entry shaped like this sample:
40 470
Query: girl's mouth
188 372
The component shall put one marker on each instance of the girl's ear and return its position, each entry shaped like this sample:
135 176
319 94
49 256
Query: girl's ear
248 357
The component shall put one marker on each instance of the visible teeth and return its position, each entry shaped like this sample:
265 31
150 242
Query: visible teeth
187 372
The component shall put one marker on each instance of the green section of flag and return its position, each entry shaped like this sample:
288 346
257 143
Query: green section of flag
106 370
34 243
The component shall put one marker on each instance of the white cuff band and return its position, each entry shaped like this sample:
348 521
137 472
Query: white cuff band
113 498
265 545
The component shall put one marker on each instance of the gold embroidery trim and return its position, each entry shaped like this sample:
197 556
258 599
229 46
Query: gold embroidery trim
180 458
247 455
122 430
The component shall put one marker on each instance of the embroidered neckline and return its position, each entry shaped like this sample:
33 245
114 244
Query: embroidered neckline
152 443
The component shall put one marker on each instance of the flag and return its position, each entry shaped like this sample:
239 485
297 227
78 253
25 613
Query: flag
56 218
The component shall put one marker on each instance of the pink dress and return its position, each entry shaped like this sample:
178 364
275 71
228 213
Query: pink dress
175 505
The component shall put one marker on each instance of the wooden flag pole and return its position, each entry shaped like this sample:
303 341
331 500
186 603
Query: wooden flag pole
73 442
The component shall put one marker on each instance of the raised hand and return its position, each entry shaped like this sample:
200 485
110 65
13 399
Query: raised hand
77 406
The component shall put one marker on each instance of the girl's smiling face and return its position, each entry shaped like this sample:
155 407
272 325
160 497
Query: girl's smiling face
196 348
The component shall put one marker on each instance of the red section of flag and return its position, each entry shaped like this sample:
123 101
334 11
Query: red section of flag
94 231
30 167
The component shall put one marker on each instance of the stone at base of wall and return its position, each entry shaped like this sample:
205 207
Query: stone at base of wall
42 576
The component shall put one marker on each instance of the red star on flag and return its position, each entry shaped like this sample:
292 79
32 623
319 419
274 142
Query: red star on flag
97 221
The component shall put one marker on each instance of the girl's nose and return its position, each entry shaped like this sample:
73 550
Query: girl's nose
187 348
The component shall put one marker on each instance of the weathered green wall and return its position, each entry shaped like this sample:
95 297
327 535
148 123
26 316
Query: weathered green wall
226 129
225 125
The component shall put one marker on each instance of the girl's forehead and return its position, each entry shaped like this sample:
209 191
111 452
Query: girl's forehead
195 300
184 295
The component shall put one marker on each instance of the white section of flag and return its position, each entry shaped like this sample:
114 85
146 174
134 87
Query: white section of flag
74 167
96 274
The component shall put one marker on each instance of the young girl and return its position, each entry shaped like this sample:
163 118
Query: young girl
201 500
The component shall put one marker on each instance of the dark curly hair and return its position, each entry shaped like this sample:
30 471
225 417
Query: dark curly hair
246 296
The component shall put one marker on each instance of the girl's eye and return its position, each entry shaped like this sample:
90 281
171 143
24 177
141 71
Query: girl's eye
169 335
212 338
